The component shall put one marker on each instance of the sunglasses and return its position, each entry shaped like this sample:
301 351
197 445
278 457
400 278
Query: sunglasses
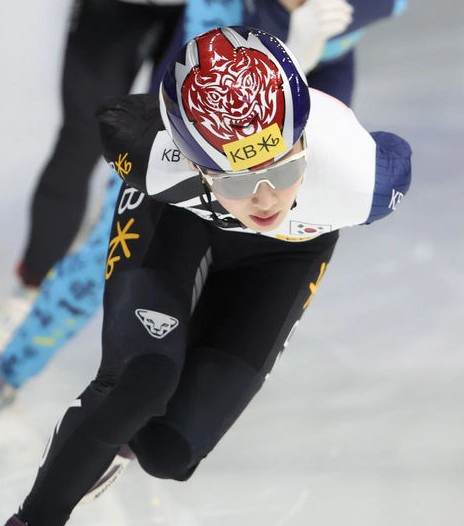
244 184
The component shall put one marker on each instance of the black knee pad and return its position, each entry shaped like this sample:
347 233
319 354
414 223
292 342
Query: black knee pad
163 453
214 389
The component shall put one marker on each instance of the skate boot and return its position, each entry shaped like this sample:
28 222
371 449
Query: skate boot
15 521
115 469
13 311
7 393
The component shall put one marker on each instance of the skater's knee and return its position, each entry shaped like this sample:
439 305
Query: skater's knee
163 453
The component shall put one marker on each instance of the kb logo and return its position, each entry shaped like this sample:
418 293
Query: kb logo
395 199
256 149
171 156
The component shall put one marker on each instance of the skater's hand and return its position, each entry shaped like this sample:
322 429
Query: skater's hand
312 24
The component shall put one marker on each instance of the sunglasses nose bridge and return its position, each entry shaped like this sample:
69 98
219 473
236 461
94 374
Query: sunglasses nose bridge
258 184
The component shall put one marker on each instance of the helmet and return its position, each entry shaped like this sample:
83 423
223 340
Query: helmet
234 99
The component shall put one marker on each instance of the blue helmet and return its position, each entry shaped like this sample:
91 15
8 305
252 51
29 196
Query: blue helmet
234 99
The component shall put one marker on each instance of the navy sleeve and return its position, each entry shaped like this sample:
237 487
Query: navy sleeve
368 11
268 15
392 174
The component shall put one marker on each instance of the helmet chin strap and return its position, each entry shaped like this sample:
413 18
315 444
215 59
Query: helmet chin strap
226 222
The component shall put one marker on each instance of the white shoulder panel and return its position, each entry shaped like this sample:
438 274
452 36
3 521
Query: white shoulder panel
339 184
166 166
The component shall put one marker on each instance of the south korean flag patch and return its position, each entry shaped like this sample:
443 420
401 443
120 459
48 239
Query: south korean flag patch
300 229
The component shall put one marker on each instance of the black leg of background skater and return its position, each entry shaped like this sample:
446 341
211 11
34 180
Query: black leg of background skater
107 44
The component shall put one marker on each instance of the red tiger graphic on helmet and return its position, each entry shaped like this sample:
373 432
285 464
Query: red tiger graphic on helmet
232 93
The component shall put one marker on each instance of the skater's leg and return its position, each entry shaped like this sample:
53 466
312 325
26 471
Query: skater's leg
102 57
230 354
67 299
139 371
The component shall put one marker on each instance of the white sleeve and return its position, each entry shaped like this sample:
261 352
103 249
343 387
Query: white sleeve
353 176
339 184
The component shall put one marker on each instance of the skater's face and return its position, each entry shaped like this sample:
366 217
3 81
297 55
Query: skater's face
262 200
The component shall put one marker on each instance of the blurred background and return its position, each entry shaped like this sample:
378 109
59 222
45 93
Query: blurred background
362 420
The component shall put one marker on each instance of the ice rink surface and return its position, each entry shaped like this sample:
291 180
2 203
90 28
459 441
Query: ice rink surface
362 421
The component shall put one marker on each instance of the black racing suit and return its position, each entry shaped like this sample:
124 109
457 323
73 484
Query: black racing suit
194 318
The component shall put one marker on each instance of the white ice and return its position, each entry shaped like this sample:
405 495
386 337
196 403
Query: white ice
362 421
